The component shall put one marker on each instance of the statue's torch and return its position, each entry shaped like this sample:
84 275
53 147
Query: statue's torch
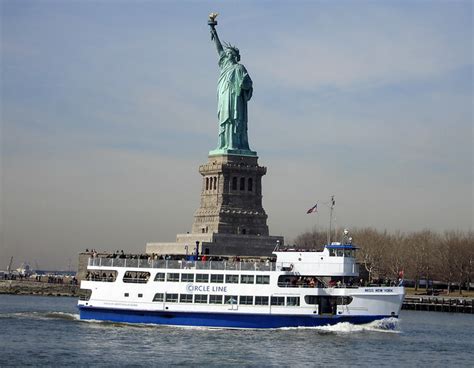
212 23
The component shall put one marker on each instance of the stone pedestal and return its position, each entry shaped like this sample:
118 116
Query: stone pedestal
231 197
230 219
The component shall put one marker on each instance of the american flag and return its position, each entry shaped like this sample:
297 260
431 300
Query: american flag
313 209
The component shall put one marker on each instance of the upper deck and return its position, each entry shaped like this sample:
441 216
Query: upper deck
334 260
102 262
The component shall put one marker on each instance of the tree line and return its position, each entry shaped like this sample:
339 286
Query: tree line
421 255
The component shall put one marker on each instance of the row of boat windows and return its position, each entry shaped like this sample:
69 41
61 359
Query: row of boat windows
143 277
322 301
227 299
213 278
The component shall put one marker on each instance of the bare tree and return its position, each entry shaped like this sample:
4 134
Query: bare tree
448 252
420 247
395 259
372 246
312 239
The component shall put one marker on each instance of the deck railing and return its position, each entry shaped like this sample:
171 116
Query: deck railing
181 264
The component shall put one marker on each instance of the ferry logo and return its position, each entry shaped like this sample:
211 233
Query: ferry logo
190 288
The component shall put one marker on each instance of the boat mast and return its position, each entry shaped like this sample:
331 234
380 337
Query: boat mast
331 206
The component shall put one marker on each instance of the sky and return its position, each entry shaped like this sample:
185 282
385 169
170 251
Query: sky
109 107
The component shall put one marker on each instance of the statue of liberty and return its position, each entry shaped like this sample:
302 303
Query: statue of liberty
234 89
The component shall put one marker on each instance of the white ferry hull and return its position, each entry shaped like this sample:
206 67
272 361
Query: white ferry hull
220 320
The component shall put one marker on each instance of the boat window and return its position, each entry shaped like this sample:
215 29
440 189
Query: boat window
332 252
344 300
171 298
200 298
202 277
126 295
232 279
262 279
261 300
185 298
109 276
187 277
311 299
246 299
160 276
136 277
140 295
218 279
172 277
286 281
293 301
230 299
215 299
246 279
316 299
159 297
339 252
85 294
298 281
278 300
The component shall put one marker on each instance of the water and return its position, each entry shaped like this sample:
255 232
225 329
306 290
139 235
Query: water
46 331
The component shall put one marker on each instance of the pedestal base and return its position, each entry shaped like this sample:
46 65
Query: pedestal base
239 152
219 245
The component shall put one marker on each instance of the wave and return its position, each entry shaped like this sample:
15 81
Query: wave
40 315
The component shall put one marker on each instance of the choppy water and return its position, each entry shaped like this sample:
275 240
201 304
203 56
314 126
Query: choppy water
46 331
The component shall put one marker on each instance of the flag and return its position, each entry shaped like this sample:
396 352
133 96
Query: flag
313 209
333 202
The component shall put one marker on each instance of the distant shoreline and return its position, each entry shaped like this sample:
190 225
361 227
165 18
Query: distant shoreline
16 287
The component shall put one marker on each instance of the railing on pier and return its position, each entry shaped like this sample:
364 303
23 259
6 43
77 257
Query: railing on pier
181 264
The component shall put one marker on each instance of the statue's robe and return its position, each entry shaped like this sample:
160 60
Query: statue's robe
234 89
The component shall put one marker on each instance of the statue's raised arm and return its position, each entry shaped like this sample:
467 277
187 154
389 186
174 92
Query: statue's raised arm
212 23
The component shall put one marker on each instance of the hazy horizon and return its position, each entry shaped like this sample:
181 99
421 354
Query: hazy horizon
109 108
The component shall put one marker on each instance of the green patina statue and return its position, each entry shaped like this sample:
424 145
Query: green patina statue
234 89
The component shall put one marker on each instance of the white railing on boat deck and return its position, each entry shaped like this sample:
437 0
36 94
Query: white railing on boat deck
181 264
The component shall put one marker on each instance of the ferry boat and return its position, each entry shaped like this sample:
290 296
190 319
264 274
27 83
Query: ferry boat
296 288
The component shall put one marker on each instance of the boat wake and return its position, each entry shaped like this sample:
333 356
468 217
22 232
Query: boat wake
390 325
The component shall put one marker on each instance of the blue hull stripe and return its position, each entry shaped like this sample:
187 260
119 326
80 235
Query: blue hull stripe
226 320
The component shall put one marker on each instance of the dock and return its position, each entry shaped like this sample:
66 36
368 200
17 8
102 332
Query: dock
438 304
